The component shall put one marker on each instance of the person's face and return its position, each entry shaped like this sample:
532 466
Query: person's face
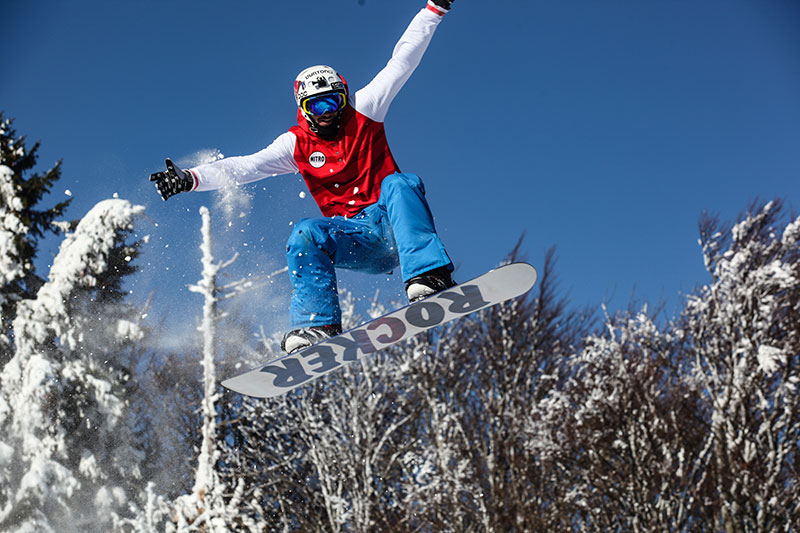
324 120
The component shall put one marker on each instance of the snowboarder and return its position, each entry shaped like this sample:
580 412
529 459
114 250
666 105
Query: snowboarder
375 216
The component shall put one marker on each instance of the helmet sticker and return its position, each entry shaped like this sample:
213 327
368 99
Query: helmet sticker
299 89
320 82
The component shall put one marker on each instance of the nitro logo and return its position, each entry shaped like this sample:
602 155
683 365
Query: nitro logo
317 160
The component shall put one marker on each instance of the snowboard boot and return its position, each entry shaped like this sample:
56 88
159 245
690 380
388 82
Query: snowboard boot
430 282
303 337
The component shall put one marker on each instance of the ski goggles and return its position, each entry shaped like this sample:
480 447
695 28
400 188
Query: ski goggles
326 103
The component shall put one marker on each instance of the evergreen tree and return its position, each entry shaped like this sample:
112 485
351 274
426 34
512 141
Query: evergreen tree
22 225
68 458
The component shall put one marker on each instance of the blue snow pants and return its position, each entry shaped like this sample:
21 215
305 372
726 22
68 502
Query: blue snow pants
397 230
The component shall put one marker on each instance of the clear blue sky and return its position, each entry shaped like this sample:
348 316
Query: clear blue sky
604 128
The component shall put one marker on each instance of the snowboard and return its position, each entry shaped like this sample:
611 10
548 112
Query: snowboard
293 370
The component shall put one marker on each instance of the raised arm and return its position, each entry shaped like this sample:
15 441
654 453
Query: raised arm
374 100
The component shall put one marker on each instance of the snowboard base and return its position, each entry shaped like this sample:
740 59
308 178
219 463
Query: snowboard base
293 370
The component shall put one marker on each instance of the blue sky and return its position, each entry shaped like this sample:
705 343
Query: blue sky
604 128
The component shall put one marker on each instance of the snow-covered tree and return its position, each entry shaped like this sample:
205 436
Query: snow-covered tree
422 436
69 461
480 381
206 506
618 437
355 430
693 425
218 501
21 225
524 418
744 333
329 456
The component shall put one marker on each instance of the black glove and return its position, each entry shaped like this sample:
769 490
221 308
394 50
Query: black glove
172 181
443 4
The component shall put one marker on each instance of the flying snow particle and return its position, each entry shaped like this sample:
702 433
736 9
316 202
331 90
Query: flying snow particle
302 194
68 192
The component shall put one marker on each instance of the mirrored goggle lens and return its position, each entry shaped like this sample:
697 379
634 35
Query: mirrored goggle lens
327 103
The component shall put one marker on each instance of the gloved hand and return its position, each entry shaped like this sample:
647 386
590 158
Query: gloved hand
172 181
443 5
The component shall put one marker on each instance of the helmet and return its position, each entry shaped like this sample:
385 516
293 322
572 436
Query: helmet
316 80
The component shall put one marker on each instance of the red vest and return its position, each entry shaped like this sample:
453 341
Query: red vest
344 175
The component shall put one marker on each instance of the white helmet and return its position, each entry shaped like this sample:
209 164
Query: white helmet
317 80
